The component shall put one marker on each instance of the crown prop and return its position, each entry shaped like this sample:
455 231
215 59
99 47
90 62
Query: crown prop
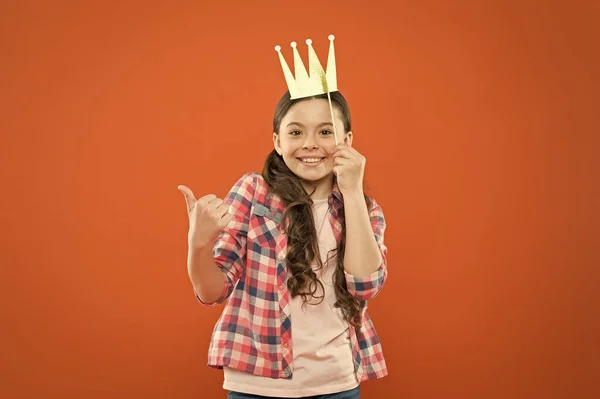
316 81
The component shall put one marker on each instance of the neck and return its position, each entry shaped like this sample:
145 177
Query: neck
322 188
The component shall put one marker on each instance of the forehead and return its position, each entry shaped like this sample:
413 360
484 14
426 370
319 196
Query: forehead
312 111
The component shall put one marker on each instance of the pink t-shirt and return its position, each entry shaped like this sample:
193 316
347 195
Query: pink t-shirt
321 344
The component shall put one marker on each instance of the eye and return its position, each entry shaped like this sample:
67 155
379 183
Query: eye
326 132
295 132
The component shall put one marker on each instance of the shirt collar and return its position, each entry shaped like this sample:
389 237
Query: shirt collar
335 192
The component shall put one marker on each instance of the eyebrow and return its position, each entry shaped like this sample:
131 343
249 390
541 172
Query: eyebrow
301 125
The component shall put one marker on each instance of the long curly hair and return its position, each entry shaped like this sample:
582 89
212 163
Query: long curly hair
303 249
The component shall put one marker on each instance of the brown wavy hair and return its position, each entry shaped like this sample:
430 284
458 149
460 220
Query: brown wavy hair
303 247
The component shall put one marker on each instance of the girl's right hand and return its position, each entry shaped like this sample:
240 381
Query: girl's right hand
208 218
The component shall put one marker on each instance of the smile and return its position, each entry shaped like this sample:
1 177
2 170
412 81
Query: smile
311 161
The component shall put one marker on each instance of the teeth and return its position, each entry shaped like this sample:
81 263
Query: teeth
311 160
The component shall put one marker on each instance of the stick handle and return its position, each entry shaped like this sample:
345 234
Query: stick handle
332 119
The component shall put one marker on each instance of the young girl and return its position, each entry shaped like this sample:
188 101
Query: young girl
295 253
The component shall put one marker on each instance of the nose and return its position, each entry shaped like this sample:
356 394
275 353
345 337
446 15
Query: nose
310 142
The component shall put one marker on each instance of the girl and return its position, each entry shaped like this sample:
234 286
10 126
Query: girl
295 252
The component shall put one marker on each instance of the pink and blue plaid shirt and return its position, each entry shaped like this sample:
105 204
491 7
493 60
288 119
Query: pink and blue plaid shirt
253 334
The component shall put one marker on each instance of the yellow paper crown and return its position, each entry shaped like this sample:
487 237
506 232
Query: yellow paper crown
317 81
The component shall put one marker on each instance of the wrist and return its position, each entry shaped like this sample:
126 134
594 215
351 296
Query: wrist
200 249
354 196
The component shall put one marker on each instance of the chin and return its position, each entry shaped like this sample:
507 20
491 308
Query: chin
313 176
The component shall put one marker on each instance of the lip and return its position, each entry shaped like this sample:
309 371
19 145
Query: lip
313 164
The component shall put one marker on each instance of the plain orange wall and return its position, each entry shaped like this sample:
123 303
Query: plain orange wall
480 128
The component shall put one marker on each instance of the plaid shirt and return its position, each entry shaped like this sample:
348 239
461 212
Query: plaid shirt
253 333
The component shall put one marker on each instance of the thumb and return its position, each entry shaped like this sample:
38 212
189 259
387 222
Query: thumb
190 200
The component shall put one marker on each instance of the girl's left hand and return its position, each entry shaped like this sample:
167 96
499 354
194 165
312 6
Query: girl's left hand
349 167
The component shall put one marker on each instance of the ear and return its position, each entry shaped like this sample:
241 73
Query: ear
348 138
276 143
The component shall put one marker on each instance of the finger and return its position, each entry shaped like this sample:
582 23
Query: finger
214 203
343 153
224 210
347 147
190 199
203 202
334 149
337 148
352 150
339 161
225 220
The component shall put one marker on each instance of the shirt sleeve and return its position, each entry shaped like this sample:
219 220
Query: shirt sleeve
368 287
229 248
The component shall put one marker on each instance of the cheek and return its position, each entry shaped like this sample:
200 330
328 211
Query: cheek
329 149
288 150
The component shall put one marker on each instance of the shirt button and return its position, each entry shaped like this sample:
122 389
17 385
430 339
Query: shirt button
283 317
280 258
286 345
281 287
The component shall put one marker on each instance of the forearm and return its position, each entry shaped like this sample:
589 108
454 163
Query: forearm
206 277
362 255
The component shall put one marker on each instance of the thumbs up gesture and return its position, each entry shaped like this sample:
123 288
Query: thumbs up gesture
208 217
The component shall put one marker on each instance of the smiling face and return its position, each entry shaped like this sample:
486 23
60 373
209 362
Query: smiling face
306 142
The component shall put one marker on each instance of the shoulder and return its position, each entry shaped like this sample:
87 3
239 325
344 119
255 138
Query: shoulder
255 189
249 180
250 185
253 179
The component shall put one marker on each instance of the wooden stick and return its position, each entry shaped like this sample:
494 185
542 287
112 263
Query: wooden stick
332 119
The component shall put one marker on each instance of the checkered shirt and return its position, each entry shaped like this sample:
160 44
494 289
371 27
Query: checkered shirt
253 333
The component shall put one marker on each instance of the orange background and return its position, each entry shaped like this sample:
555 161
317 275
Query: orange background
480 128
